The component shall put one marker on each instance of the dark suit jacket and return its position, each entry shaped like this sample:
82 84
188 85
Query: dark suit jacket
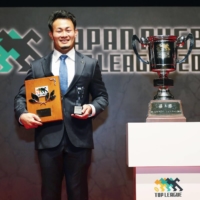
88 75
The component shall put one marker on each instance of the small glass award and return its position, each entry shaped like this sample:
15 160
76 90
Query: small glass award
78 106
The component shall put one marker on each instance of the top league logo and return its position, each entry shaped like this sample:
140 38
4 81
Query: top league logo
163 59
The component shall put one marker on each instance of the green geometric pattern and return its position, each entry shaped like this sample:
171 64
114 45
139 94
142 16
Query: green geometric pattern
13 34
4 55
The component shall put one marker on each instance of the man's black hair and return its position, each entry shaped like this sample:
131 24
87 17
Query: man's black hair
60 14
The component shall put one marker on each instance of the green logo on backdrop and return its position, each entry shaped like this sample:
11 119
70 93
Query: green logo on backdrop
13 45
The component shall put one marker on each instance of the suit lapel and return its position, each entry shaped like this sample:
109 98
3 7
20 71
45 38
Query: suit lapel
46 65
79 66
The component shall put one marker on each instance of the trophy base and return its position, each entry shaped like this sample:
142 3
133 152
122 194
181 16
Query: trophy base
165 111
163 94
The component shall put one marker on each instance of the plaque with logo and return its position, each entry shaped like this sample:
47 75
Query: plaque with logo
43 98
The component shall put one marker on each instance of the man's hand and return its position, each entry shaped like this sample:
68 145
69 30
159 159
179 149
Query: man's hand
30 120
86 111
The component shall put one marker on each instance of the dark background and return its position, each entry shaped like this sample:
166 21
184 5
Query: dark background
129 95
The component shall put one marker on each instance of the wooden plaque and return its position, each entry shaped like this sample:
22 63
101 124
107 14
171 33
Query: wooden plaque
43 98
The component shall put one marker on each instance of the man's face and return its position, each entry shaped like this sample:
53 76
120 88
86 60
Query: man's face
63 35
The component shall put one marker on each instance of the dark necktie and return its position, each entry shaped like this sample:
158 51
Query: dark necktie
63 75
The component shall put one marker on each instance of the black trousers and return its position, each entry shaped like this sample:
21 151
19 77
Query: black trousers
64 160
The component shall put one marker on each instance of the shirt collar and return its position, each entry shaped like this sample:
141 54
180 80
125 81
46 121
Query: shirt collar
70 54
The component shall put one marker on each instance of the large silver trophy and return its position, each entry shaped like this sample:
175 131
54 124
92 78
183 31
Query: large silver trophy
163 59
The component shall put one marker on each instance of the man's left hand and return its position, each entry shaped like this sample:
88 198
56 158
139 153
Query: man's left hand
86 111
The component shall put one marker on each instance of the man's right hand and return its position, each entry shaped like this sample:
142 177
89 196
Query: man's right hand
30 120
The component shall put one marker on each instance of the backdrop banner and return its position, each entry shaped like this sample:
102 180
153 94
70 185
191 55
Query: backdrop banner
104 33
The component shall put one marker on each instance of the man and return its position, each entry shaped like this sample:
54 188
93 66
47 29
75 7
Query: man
64 147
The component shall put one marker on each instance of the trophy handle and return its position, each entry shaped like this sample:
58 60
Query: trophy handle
181 40
144 42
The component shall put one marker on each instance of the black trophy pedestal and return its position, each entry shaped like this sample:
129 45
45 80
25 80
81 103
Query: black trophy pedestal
163 82
165 111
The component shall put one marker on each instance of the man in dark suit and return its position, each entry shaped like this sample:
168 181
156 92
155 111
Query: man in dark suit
64 147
